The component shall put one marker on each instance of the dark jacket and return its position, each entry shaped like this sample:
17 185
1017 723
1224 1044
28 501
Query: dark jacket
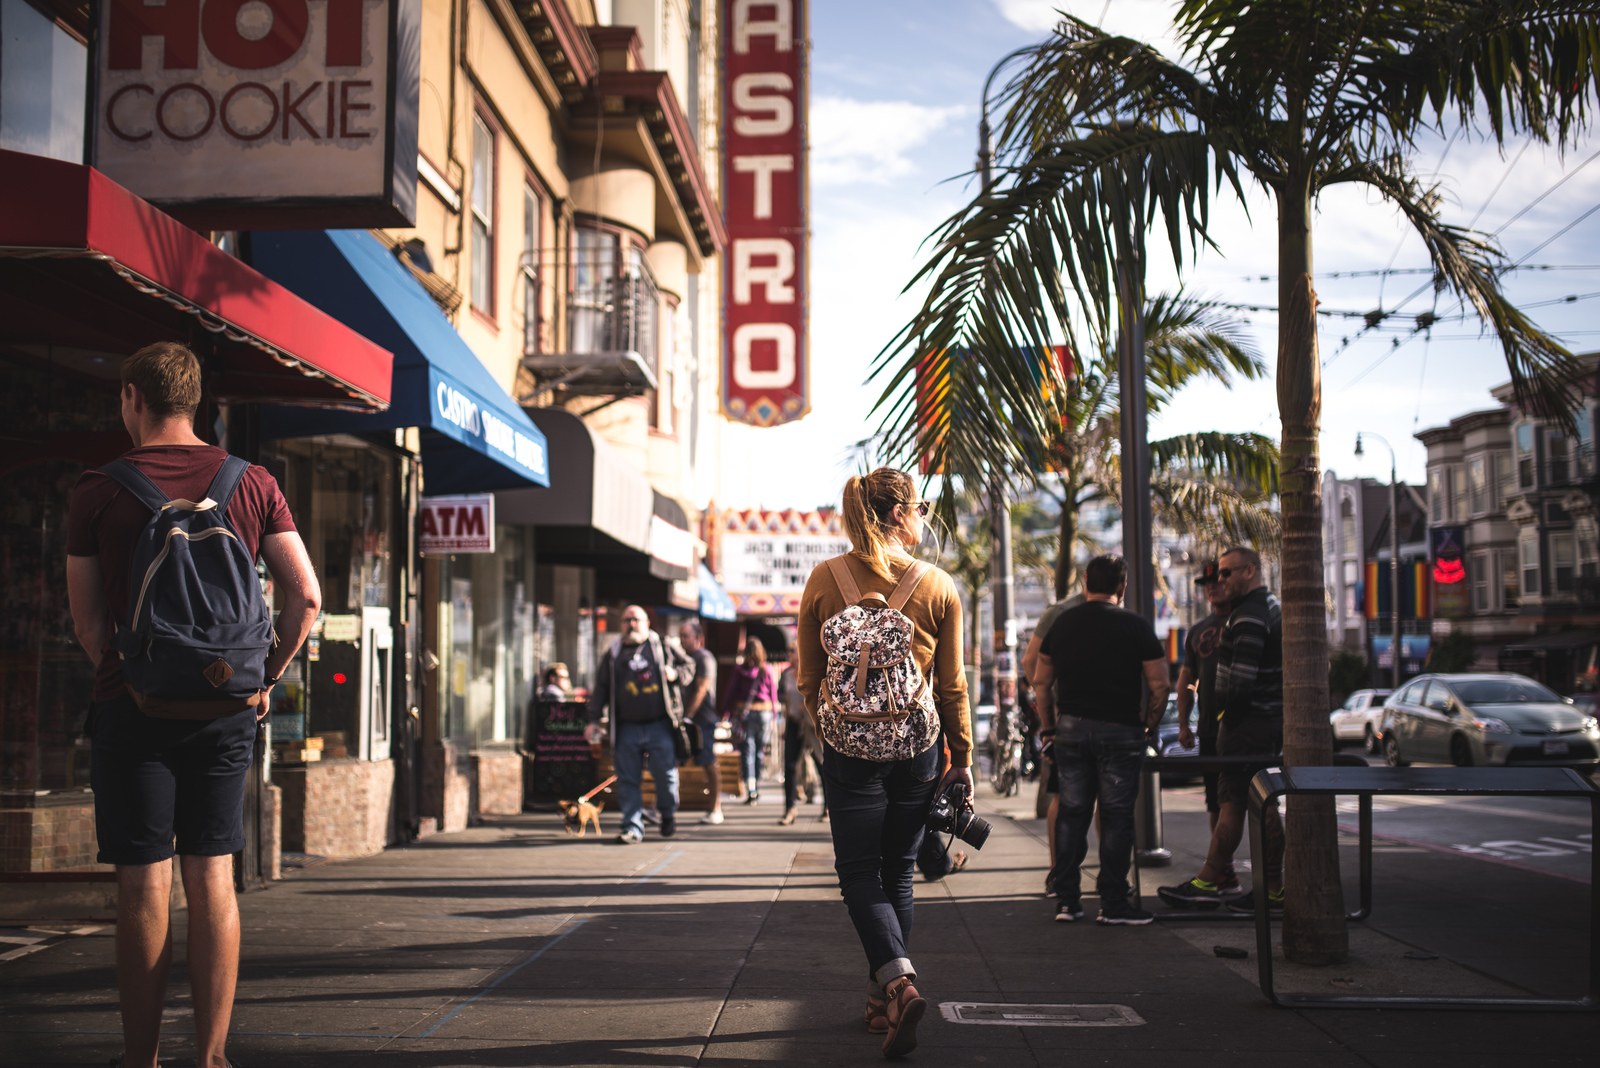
677 671
1250 659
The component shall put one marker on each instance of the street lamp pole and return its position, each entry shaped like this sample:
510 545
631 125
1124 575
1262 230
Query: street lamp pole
1394 557
1003 662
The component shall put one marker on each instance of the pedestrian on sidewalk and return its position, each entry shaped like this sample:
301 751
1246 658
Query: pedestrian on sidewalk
1044 703
1197 692
752 696
557 683
801 752
1098 656
1249 694
700 708
637 693
878 605
168 770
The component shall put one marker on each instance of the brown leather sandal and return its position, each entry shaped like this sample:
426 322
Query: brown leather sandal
874 1016
903 1011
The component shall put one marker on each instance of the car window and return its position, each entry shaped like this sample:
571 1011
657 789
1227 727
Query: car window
1505 692
1411 694
1352 702
1438 697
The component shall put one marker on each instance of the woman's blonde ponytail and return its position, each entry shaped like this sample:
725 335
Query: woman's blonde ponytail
868 503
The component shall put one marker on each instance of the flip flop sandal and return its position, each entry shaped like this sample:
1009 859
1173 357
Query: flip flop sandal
875 1016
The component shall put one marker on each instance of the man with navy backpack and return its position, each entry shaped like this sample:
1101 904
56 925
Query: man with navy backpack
161 580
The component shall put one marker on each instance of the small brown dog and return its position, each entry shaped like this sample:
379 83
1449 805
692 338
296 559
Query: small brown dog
577 815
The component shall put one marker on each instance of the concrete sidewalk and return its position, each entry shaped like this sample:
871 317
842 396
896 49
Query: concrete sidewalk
514 944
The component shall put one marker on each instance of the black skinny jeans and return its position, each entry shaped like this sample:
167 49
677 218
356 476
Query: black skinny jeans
877 812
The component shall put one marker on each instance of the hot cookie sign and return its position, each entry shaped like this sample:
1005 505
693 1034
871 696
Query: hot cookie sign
764 380
262 113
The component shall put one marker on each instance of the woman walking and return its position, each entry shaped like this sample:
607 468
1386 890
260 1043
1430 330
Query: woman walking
752 695
880 670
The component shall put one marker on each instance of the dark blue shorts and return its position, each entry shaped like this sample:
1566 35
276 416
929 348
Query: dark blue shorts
160 780
708 742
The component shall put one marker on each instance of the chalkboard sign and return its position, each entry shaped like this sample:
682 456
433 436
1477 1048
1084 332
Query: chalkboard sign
563 763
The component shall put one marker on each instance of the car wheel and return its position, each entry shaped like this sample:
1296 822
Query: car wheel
1370 741
1391 752
1461 752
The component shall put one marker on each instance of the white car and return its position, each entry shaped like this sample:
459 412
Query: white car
1357 719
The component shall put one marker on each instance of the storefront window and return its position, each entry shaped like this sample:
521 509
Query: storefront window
567 622
336 694
487 632
43 74
56 426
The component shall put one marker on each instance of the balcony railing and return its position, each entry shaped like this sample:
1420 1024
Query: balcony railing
617 315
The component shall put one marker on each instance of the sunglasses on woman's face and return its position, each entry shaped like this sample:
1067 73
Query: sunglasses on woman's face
923 508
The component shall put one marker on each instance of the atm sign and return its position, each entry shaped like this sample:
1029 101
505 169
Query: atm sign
457 524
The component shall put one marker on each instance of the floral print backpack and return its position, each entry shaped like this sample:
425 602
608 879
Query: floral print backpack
874 702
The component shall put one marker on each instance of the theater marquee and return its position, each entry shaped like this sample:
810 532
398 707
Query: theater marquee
262 113
764 372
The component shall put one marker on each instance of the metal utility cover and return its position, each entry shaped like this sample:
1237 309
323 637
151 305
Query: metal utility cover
1001 1015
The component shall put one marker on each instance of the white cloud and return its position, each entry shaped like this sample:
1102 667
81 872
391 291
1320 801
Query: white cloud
871 141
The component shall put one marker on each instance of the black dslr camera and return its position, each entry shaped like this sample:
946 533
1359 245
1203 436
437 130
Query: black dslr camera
951 813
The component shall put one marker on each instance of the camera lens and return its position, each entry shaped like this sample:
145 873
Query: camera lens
971 829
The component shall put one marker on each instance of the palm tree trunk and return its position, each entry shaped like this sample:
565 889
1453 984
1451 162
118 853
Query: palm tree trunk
1314 927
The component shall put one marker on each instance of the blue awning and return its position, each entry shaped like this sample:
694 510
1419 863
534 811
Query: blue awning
475 437
714 600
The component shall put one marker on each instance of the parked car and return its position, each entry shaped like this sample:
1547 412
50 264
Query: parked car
1486 719
1167 743
1357 720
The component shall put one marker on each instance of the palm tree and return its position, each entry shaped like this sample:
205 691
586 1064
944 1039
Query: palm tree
1213 485
1105 136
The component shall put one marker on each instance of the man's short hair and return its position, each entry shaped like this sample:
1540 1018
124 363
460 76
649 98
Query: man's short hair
1251 557
167 376
1105 575
692 629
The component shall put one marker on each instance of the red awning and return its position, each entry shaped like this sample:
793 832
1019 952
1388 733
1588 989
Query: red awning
89 273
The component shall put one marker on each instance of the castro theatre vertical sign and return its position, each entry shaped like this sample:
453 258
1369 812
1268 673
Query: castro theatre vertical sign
764 372
261 113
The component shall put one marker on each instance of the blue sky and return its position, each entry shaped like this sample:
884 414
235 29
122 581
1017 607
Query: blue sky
893 128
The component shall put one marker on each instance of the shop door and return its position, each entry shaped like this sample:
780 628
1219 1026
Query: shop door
377 693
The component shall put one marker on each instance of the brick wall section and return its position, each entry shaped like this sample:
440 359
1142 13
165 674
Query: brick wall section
499 781
336 808
447 785
50 837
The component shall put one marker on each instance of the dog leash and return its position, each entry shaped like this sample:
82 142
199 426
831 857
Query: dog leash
597 789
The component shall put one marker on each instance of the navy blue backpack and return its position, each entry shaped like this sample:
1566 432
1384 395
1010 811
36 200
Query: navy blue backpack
195 638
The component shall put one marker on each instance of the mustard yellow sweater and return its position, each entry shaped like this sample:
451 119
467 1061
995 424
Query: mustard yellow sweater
935 610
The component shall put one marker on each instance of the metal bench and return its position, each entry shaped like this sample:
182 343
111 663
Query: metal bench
1367 782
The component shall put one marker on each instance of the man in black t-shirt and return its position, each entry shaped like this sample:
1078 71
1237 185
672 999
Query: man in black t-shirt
1109 672
637 689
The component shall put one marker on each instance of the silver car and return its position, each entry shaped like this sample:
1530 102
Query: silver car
1358 718
1485 719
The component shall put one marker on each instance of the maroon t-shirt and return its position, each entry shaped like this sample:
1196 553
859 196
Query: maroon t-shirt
105 520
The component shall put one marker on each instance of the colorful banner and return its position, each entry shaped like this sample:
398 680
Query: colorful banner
1452 598
765 374
1416 600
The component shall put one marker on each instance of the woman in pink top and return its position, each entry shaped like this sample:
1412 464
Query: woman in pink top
752 696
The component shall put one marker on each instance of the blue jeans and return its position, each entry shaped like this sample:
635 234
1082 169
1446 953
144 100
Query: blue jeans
755 740
636 744
877 813
1096 760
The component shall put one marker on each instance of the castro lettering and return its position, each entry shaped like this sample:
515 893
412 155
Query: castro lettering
765 207
456 407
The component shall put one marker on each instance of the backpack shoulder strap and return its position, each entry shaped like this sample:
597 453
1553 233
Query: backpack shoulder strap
229 475
908 584
844 580
137 483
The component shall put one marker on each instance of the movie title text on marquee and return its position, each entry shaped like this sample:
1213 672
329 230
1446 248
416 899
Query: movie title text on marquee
774 563
764 199
274 106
